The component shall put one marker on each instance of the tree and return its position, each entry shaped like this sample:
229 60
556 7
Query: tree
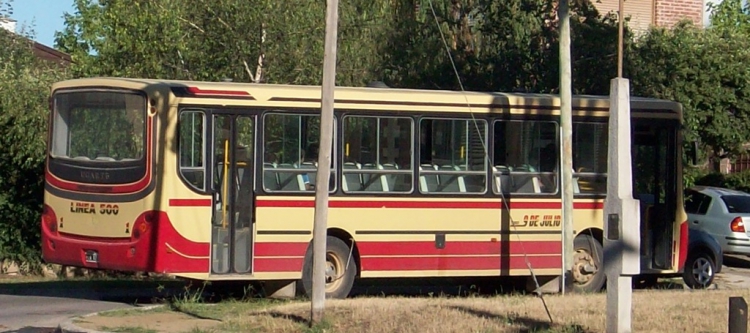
214 40
500 46
24 90
730 15
708 71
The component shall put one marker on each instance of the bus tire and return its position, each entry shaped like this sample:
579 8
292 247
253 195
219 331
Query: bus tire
339 276
588 269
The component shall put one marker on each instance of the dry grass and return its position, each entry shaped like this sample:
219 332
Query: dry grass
654 311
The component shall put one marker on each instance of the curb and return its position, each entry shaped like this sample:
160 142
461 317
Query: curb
69 326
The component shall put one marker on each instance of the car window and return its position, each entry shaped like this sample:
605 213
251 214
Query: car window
696 203
737 203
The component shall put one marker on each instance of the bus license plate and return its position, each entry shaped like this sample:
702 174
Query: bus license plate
92 256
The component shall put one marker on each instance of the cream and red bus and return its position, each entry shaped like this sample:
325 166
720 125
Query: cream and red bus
214 181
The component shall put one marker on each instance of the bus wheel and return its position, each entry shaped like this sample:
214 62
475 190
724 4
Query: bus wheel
588 271
340 270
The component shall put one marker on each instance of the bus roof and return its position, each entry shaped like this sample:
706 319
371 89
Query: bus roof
237 93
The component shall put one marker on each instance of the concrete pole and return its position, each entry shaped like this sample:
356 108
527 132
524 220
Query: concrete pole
622 217
620 19
621 214
324 164
566 123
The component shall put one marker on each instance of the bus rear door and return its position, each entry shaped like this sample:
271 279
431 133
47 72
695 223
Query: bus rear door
233 200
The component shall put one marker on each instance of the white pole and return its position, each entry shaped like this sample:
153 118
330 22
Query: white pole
566 123
324 164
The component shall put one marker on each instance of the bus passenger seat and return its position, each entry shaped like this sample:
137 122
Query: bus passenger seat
428 182
270 177
451 182
374 182
352 181
390 178
529 184
288 180
311 175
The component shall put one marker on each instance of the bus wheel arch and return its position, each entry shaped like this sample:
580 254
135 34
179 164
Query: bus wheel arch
342 267
588 257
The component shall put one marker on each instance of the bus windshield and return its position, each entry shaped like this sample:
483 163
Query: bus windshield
99 126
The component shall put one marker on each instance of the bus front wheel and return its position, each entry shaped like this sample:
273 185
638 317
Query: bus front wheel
588 270
340 269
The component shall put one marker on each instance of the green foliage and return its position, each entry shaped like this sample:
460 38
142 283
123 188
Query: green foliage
730 15
738 181
214 40
501 46
24 89
705 70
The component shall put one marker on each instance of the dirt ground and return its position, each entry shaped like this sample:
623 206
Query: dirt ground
653 311
148 321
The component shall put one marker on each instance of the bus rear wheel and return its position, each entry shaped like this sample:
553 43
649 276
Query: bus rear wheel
340 269
588 269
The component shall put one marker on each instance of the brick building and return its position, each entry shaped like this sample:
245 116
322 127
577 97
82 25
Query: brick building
662 13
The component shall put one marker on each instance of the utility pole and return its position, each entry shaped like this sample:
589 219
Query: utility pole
622 218
324 163
566 122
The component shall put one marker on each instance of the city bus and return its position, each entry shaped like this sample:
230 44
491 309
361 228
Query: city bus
215 181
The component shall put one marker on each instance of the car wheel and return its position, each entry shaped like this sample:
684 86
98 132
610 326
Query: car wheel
700 269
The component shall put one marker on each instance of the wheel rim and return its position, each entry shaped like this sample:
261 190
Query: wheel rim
581 259
334 270
702 271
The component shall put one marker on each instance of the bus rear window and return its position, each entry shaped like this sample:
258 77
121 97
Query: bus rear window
99 126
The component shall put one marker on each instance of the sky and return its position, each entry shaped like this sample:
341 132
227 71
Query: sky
44 16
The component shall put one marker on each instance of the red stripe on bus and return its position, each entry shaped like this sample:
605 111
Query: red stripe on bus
393 204
458 263
213 92
266 203
280 249
458 248
278 264
190 202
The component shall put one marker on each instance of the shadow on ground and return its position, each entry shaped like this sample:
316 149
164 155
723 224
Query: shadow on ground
737 261
121 290
40 330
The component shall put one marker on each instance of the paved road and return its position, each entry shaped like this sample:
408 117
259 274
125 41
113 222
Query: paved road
735 274
40 307
32 314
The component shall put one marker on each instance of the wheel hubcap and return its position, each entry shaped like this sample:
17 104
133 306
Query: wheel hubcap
702 271
334 270
584 266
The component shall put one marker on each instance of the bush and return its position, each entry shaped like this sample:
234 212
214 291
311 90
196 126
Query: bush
24 91
737 181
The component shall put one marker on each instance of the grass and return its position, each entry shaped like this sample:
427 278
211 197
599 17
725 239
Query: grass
653 311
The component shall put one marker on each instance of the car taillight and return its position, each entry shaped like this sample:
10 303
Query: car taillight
737 225
48 219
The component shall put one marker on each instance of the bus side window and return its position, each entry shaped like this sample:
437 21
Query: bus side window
526 157
290 153
452 158
377 154
590 157
191 148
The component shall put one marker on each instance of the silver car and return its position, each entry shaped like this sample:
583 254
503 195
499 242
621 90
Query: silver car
723 214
